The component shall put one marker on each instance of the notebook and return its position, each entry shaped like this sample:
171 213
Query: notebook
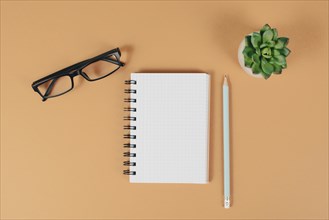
167 128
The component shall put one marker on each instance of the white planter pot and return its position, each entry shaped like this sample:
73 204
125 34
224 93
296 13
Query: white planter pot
241 61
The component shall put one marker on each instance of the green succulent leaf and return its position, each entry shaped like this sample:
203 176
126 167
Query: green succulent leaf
285 40
263 45
248 41
255 58
265 28
267 67
266 52
275 34
285 51
268 35
276 52
270 43
284 66
272 61
256 39
277 69
280 60
248 51
248 62
256 68
265 75
258 51
279 45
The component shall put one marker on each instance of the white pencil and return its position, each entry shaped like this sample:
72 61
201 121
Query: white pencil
226 141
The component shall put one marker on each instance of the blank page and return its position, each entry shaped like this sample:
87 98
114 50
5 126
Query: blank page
172 128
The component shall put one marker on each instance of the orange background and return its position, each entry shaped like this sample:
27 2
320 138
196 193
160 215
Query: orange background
63 158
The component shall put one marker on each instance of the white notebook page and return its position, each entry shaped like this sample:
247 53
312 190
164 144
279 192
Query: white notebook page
172 121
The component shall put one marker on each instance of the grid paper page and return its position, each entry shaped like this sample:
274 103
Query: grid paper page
172 128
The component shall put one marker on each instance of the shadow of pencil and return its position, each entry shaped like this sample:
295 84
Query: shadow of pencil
231 140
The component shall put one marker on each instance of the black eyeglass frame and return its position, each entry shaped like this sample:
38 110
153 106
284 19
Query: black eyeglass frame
76 69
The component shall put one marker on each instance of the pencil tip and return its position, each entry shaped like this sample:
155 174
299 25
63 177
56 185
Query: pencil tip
225 79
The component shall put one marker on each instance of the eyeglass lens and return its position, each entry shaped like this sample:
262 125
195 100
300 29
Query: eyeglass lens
100 68
56 86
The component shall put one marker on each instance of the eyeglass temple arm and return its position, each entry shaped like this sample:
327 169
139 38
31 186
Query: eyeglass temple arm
49 89
113 61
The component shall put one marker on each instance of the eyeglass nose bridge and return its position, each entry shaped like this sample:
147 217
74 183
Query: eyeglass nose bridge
74 73
84 75
78 72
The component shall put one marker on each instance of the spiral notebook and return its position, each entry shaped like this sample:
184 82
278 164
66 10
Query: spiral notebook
167 128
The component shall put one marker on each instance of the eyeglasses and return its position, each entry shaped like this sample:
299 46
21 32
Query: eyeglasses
93 69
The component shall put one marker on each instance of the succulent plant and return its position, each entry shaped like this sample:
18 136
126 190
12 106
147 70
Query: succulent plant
265 53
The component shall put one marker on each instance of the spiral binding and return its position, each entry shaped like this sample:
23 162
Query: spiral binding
130 127
130 100
128 136
128 163
128 154
131 91
128 172
128 109
128 145
130 82
128 118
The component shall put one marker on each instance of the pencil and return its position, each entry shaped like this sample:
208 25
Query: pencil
226 144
